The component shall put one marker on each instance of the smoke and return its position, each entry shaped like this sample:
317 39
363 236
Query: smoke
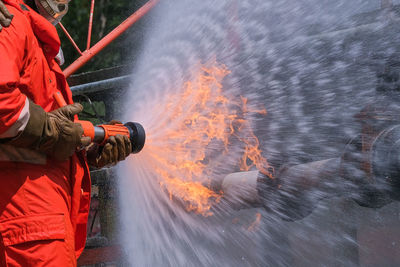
311 64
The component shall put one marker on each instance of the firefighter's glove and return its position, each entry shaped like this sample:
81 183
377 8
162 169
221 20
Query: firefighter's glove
5 16
117 148
53 133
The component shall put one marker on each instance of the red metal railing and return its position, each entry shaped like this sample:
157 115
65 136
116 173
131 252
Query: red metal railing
70 38
90 52
90 25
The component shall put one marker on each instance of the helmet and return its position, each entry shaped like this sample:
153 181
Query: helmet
52 10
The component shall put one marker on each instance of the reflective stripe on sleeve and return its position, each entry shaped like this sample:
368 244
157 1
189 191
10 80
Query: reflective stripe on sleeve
20 124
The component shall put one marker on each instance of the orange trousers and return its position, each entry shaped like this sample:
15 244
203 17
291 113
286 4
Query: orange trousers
35 226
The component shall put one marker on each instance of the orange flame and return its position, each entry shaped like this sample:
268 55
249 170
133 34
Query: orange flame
194 119
254 225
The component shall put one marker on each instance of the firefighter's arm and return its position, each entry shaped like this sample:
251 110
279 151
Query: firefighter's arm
22 122
5 16
14 105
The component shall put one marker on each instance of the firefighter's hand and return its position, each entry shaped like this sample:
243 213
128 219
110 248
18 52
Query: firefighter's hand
62 136
5 16
53 133
117 148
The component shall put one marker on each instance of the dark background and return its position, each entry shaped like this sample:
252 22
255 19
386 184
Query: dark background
108 14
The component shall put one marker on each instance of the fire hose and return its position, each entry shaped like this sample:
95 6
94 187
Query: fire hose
100 133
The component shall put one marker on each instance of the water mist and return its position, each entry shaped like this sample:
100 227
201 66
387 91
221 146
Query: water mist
273 83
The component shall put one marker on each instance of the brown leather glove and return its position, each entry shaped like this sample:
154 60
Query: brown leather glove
53 133
5 16
117 148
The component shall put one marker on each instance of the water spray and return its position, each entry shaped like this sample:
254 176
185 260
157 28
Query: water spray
192 146
100 133
370 178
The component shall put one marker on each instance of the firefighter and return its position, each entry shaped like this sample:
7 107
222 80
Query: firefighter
44 174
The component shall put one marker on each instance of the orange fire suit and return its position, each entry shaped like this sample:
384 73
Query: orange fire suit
44 204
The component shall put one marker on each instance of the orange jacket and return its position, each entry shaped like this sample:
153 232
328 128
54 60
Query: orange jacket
28 69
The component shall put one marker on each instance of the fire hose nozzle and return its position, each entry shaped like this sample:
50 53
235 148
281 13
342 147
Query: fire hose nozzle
100 133
137 136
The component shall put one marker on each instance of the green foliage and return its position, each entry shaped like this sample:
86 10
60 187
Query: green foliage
108 14
94 112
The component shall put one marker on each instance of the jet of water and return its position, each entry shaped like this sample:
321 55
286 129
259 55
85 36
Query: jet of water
288 72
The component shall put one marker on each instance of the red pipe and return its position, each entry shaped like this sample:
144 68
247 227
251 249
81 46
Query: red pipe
89 54
70 38
90 25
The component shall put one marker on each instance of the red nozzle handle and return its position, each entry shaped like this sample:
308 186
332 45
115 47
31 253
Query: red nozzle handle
113 130
59 99
88 128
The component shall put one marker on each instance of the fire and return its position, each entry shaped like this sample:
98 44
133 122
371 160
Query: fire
196 119
254 225
252 151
